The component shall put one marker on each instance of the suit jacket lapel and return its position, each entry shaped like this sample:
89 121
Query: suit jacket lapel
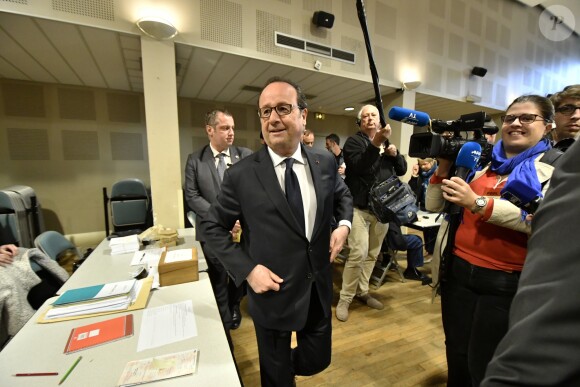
314 164
234 155
208 159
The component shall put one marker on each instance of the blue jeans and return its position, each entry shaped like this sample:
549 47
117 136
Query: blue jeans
475 304
414 251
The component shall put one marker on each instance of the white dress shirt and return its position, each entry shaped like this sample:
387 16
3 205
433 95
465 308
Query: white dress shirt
307 191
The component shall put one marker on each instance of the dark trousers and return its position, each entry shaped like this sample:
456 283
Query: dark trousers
414 251
226 293
475 304
429 237
279 363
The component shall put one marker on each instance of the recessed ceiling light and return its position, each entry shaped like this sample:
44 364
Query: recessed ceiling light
349 108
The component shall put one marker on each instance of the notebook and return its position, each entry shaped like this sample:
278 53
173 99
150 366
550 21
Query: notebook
88 336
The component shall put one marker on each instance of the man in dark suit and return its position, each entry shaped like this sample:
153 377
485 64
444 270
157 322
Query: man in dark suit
203 177
286 254
542 344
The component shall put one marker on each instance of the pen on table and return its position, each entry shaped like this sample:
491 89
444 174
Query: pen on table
143 256
70 370
36 374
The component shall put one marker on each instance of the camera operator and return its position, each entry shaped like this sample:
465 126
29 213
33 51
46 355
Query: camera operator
369 159
486 251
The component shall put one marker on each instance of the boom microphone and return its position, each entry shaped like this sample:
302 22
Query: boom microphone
467 159
408 116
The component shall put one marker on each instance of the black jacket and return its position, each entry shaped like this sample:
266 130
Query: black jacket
365 166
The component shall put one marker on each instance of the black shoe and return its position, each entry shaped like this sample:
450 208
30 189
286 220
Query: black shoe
236 317
414 274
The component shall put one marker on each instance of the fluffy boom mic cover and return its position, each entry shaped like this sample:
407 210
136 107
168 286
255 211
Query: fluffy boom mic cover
408 116
467 159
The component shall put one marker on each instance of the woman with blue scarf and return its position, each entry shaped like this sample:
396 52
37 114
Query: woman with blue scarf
488 252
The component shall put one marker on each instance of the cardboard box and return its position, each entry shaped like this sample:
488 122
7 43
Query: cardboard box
175 267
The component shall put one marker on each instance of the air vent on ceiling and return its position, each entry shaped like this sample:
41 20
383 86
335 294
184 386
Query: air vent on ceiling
294 43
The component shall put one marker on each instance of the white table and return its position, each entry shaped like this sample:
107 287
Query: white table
102 267
425 220
39 347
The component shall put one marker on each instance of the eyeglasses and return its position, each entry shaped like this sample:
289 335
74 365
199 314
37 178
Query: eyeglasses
282 110
567 110
524 118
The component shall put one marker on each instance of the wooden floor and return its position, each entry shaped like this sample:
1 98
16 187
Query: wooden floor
401 345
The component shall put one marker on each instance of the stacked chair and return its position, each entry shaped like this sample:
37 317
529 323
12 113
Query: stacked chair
130 207
20 216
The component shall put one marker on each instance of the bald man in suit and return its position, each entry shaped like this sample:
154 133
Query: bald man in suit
288 249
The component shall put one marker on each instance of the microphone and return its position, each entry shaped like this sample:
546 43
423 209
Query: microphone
467 159
408 116
522 195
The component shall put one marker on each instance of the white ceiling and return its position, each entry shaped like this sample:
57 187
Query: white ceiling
40 50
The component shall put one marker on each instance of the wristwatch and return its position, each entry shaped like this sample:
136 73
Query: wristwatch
480 203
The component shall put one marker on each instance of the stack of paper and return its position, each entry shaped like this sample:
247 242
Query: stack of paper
95 299
122 245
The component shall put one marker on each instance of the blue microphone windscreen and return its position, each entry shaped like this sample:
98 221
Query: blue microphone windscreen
522 191
408 116
468 155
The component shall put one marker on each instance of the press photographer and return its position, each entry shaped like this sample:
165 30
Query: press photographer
369 158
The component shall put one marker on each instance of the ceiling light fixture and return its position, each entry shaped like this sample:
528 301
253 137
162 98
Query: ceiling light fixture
349 108
157 28
412 85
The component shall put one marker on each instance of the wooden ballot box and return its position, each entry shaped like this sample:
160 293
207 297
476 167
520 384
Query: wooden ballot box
178 266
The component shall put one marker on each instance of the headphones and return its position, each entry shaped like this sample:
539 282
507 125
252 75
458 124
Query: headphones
358 122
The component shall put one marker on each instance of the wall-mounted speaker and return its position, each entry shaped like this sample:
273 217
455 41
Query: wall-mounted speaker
323 19
479 71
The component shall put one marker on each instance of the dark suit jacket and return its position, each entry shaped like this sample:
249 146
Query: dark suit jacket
272 237
542 344
202 184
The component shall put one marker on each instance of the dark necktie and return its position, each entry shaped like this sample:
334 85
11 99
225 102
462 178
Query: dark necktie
293 194
221 167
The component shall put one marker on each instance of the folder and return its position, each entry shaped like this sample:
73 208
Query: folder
102 332
96 292
140 303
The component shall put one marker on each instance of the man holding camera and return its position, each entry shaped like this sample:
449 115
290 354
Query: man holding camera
369 159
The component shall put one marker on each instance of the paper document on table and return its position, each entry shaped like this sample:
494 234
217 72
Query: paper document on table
147 257
166 324
122 245
159 368
178 255
104 305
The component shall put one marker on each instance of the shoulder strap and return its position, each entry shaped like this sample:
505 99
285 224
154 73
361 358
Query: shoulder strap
551 156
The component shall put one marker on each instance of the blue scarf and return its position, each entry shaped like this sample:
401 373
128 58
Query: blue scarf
520 167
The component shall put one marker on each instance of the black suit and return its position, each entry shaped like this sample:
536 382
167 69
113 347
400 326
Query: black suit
202 186
273 238
543 341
